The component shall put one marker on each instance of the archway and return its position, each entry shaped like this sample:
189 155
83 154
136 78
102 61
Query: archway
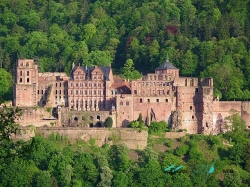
98 124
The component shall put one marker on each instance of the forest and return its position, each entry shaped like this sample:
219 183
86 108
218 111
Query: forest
208 38
196 160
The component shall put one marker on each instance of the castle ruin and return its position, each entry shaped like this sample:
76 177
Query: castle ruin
91 94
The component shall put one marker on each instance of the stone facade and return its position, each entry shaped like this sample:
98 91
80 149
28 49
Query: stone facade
129 137
89 95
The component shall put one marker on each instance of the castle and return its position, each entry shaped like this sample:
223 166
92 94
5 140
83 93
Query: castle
91 94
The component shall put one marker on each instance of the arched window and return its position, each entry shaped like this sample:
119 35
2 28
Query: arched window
28 73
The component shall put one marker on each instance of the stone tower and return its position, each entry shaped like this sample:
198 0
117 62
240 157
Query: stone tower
207 97
26 83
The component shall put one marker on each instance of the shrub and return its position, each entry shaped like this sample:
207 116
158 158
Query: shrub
182 150
157 127
108 122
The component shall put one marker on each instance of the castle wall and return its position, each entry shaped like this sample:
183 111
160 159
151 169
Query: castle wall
223 109
25 87
36 116
84 118
129 137
189 103
245 113
124 109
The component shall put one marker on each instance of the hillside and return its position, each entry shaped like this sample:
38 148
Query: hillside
196 160
201 38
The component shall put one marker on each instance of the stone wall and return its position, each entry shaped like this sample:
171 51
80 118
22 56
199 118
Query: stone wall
36 116
129 137
245 113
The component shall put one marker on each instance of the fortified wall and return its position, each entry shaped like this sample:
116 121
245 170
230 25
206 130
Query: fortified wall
129 137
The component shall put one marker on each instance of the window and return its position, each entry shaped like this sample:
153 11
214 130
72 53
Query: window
121 103
28 73
27 64
21 73
196 90
28 80
157 100
191 107
86 92
56 91
94 92
192 82
192 117
140 100
76 92
37 91
60 91
127 103
148 100
21 80
166 100
135 91
42 91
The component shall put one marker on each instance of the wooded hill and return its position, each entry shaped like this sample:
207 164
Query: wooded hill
57 162
202 38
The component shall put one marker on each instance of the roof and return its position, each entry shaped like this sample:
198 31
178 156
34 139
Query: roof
166 65
122 86
88 69
52 74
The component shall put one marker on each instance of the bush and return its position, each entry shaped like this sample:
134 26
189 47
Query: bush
182 150
158 127
108 122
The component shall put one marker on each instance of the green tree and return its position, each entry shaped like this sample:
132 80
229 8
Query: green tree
108 122
42 179
157 127
9 128
118 158
120 179
100 58
181 180
232 179
6 82
182 150
84 169
236 153
129 72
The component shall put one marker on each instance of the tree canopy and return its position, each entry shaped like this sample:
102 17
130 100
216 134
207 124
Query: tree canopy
201 38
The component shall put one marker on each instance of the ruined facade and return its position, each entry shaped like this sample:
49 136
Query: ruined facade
95 93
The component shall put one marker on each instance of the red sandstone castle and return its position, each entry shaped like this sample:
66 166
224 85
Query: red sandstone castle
89 95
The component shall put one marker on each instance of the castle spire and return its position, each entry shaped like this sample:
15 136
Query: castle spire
73 65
